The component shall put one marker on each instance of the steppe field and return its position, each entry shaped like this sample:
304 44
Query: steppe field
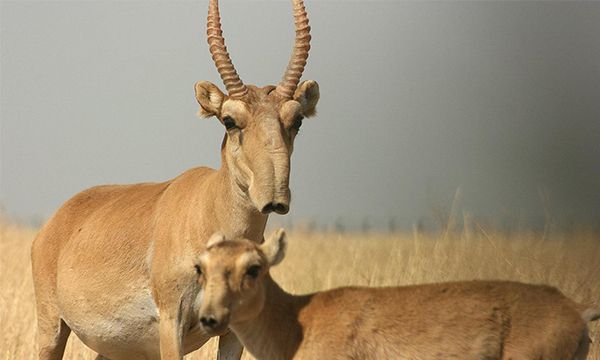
570 261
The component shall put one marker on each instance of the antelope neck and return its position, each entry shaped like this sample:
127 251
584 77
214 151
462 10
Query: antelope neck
276 332
236 214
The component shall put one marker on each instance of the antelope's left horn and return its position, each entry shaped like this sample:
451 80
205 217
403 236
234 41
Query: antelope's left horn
293 73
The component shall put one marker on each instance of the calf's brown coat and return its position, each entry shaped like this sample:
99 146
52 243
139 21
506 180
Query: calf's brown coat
456 320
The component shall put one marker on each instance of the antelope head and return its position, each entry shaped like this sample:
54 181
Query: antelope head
231 277
261 122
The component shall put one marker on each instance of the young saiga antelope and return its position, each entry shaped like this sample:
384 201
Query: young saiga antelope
458 320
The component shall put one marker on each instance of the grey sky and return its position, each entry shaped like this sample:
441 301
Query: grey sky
501 99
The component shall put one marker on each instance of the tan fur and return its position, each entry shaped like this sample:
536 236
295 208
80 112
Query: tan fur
115 263
458 320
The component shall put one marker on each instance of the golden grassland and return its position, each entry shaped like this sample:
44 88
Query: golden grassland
320 261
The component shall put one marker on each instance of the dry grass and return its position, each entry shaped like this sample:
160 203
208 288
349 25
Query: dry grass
321 261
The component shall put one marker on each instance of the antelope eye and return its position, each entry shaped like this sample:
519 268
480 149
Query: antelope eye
253 271
229 122
297 123
198 269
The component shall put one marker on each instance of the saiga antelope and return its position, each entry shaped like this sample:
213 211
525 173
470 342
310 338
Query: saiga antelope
112 264
461 320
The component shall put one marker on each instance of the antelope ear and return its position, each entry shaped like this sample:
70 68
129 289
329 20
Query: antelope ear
307 94
210 99
215 239
274 247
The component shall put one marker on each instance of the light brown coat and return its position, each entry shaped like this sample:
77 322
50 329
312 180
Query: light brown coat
115 263
457 320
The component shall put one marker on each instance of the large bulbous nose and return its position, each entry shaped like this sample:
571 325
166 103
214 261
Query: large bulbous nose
279 208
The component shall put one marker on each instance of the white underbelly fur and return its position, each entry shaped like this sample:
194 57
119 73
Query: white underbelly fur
122 327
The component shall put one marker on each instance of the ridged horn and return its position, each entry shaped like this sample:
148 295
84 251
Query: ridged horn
234 85
295 67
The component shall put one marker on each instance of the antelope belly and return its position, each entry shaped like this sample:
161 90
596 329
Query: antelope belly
118 326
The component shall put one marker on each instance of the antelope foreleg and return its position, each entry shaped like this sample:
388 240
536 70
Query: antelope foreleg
170 338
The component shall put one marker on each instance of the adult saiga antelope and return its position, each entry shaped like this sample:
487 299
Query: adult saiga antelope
112 265
473 320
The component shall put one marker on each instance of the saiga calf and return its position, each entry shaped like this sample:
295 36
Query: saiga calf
457 320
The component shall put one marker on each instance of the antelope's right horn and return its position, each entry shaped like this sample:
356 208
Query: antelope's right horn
234 85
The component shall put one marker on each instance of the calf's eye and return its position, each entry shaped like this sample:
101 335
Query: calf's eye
198 269
253 271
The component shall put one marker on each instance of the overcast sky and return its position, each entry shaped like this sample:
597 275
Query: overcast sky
418 99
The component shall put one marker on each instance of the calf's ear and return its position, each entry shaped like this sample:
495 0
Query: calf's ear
274 247
215 239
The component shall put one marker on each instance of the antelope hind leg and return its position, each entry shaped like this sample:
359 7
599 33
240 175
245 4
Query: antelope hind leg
52 339
230 347
53 332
